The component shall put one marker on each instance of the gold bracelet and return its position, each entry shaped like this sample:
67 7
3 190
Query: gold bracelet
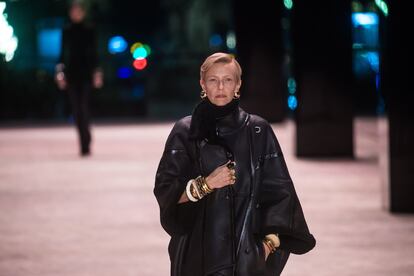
206 188
203 186
200 187
270 245
274 239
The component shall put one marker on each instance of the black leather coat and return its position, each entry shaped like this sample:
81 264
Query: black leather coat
224 230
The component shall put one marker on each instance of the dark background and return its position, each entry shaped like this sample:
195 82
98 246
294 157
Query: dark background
179 33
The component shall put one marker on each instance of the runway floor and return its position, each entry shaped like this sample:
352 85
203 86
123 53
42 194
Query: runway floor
62 215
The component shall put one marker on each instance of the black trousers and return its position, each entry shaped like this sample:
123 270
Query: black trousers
79 94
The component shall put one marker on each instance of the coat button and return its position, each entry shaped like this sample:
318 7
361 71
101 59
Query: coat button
257 205
247 250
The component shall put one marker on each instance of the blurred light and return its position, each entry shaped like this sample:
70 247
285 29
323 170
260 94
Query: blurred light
357 6
377 81
140 64
382 6
291 84
231 40
117 44
292 102
147 48
135 46
373 60
140 53
124 72
8 41
215 40
49 43
288 4
364 19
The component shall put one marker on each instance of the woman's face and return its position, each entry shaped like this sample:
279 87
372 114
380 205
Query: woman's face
220 83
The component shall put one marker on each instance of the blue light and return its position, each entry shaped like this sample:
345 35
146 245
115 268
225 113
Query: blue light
373 60
364 19
124 72
117 44
377 81
292 102
49 43
216 40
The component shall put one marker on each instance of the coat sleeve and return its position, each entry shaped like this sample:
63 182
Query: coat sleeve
174 171
281 210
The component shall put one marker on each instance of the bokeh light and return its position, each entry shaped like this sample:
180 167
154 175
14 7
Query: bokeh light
288 4
147 48
135 46
216 40
117 44
140 53
8 41
124 72
382 5
231 40
140 64
364 19
291 84
292 102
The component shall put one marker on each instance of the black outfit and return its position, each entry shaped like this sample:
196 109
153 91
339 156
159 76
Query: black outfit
222 233
79 57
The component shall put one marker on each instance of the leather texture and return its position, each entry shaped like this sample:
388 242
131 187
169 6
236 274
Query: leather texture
223 231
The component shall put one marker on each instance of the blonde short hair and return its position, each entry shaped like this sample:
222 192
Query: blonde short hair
220 58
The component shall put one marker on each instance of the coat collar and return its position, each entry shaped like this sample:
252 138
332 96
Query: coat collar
232 122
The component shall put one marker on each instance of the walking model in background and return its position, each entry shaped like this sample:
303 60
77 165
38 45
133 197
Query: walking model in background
78 71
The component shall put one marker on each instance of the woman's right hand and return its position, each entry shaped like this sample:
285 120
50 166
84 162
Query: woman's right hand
222 176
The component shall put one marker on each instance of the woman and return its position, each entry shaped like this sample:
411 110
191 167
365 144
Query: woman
225 194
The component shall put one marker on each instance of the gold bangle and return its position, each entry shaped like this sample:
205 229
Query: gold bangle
206 188
203 186
270 245
200 187
274 239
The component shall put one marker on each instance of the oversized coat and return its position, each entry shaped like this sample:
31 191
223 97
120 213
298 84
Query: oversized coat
224 230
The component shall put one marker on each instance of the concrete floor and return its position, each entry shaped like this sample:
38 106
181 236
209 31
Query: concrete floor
62 215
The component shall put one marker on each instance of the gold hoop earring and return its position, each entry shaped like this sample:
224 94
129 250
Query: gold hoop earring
236 95
203 94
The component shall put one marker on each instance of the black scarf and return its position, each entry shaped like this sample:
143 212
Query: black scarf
204 119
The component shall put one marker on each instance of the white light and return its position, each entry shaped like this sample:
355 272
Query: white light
231 40
363 19
2 7
8 41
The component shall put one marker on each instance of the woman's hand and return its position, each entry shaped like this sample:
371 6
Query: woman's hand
221 177
266 250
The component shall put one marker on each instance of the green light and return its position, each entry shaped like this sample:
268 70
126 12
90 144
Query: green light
291 84
288 4
147 48
382 6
